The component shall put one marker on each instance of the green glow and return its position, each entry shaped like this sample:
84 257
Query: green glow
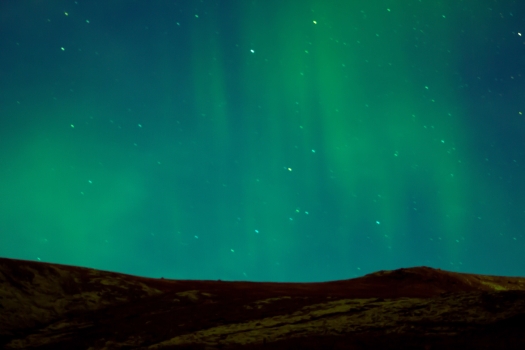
263 138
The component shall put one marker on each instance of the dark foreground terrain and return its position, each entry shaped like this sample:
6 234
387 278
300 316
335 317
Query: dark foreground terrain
50 306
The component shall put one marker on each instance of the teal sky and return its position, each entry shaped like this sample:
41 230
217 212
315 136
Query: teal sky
263 140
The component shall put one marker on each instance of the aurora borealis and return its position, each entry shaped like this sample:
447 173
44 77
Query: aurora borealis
263 140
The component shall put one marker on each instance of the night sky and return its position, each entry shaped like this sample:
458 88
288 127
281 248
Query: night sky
271 140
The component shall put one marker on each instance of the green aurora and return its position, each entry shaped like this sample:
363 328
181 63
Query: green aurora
263 140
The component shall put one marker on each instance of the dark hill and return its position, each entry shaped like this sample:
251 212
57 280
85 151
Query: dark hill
50 306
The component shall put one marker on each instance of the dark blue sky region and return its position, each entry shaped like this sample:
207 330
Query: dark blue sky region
263 140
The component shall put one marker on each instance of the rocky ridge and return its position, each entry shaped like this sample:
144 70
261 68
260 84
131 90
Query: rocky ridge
51 306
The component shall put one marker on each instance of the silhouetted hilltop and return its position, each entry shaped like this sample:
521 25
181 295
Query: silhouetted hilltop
51 306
